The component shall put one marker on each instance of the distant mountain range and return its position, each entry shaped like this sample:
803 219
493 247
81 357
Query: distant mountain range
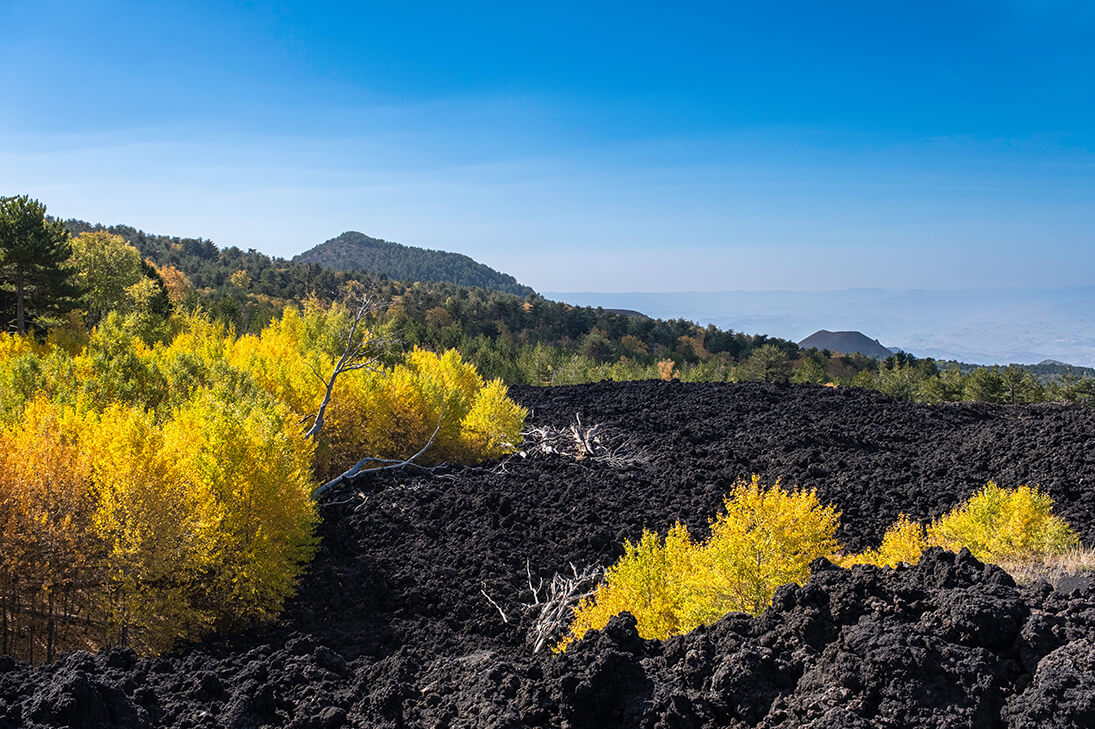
353 251
846 343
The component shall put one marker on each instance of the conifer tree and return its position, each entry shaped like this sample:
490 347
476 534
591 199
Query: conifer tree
34 275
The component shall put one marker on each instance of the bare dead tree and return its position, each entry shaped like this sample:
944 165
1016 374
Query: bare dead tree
555 606
582 442
360 351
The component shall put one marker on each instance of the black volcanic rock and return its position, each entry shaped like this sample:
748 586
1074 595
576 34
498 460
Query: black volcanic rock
845 343
391 627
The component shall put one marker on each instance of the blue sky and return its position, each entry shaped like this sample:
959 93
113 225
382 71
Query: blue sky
586 146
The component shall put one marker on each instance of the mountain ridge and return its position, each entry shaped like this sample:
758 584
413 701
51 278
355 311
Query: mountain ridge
355 251
847 342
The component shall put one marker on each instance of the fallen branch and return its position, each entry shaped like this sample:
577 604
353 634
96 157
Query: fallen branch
388 464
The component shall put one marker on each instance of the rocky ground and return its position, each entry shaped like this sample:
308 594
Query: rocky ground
393 626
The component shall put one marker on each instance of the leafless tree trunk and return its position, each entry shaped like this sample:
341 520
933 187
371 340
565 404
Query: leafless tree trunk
355 356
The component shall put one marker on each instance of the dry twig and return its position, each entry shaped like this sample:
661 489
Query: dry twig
496 606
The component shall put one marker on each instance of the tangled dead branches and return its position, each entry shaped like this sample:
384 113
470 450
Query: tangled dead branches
554 602
582 442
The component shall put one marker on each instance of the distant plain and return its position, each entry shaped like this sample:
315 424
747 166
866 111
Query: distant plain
979 326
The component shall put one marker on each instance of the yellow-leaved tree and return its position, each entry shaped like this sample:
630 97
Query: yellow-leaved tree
157 531
393 412
903 541
999 525
1011 527
155 488
46 548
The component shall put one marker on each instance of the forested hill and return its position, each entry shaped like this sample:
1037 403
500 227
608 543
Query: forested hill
532 340
353 251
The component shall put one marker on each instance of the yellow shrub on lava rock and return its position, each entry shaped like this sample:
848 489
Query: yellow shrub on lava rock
997 525
1003 525
766 537
904 541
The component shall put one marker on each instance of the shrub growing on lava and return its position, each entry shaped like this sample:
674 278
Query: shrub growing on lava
1002 526
904 541
1005 525
766 537
151 493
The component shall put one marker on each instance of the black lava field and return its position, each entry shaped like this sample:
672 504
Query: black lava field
392 626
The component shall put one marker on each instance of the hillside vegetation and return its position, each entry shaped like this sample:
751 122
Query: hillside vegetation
532 340
353 251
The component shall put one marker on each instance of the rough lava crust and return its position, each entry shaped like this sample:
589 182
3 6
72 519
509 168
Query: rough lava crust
391 627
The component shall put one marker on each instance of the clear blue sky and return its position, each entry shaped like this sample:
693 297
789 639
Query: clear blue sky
585 146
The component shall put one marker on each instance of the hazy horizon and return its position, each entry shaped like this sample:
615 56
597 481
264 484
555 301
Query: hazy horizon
978 326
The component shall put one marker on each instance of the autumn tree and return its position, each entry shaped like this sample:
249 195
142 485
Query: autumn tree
34 274
765 537
153 491
46 550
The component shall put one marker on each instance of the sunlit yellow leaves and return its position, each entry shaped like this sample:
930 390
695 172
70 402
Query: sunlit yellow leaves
1004 525
394 412
653 581
150 492
903 542
45 545
493 425
766 537
252 467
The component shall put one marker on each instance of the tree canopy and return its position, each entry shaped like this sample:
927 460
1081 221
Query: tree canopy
36 286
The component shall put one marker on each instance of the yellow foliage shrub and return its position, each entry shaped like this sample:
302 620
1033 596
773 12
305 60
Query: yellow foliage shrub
904 541
650 581
666 369
159 531
999 525
280 362
45 546
156 530
393 412
251 466
157 491
766 537
493 425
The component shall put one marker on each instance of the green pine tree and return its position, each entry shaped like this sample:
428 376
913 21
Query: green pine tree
34 274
